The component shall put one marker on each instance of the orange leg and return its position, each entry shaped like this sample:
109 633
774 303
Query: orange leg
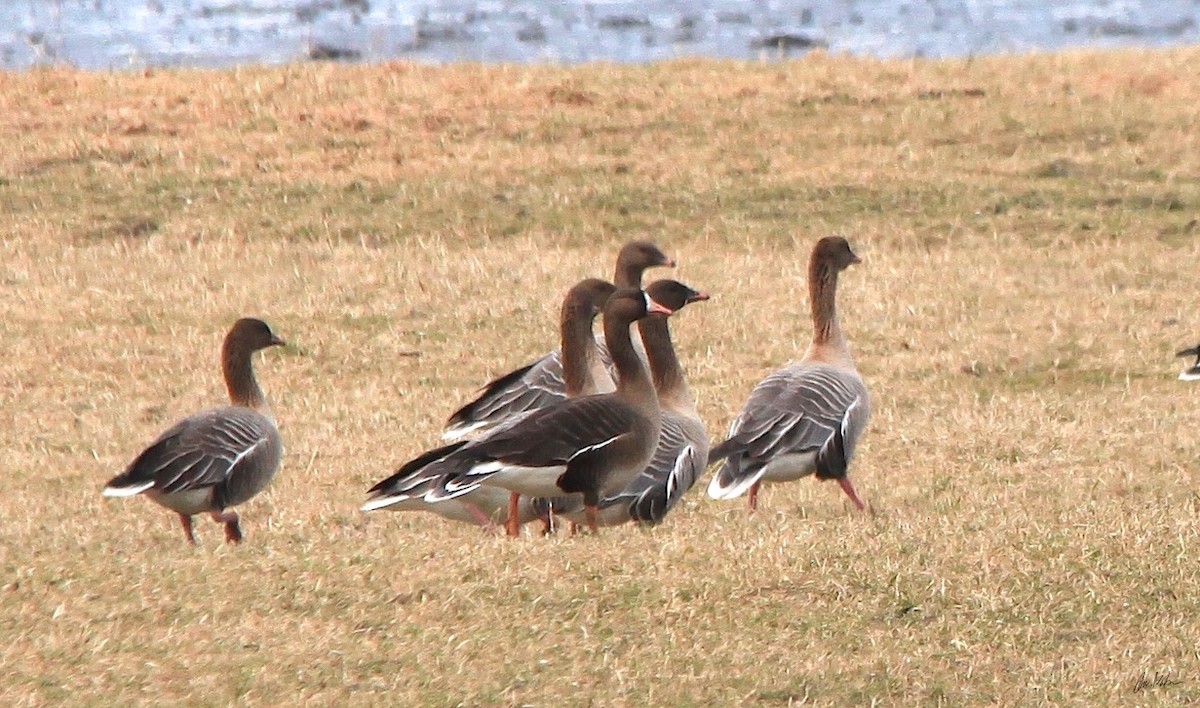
233 533
754 496
591 519
186 522
513 523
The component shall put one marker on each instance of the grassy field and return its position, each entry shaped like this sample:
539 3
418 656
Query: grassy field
1029 234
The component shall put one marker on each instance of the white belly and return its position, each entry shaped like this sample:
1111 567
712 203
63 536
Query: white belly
528 481
786 468
490 502
187 501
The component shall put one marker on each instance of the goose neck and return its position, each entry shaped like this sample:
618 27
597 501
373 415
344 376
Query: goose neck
633 381
822 293
628 275
578 352
237 365
665 371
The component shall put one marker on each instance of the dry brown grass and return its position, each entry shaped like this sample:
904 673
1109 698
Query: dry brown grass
1029 231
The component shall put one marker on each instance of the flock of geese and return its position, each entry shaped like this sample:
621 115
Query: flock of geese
602 431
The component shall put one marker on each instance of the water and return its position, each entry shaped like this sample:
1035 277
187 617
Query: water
117 34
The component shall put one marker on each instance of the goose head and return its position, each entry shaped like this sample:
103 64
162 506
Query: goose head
250 335
835 252
673 294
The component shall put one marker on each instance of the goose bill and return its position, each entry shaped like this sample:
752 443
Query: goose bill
653 307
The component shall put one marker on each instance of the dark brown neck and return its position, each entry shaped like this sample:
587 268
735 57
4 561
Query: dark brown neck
633 381
822 294
578 350
628 275
665 371
236 362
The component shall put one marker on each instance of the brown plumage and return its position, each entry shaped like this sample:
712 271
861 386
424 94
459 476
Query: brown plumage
808 416
593 445
540 383
681 453
218 458
583 375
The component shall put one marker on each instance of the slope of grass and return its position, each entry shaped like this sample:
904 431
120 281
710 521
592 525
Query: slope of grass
1028 228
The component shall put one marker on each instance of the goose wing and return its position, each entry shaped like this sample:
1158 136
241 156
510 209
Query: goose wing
549 438
679 458
412 480
799 408
528 388
204 450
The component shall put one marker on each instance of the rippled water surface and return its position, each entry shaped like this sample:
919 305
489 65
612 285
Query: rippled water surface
135 33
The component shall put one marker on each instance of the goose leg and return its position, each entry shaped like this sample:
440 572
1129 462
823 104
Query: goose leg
848 488
591 519
548 522
513 523
754 496
484 521
186 522
233 533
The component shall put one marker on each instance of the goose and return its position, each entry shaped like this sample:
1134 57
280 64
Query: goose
592 445
405 491
1192 373
682 451
540 383
217 458
806 417
582 375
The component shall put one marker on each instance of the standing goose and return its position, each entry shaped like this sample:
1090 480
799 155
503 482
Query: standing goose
582 375
540 384
593 445
682 450
218 458
806 417
1192 373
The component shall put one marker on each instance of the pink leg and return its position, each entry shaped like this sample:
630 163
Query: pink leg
480 518
513 523
754 496
186 522
591 519
848 488
233 533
